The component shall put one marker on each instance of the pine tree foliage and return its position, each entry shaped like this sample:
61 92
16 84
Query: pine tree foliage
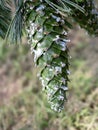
47 23
88 20
5 18
15 29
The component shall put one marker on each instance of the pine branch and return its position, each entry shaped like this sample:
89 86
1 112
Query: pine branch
88 20
18 21
16 26
5 18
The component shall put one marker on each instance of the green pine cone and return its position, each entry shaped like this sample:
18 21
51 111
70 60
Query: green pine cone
48 40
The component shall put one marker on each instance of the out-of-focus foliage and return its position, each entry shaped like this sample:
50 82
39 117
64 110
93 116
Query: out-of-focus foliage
27 106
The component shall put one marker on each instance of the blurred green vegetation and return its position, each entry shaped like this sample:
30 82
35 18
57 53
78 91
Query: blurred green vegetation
23 106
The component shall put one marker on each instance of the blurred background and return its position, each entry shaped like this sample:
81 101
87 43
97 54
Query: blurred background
23 105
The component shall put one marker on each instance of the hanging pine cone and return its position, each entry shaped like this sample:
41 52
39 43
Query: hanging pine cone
48 40
47 34
47 24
